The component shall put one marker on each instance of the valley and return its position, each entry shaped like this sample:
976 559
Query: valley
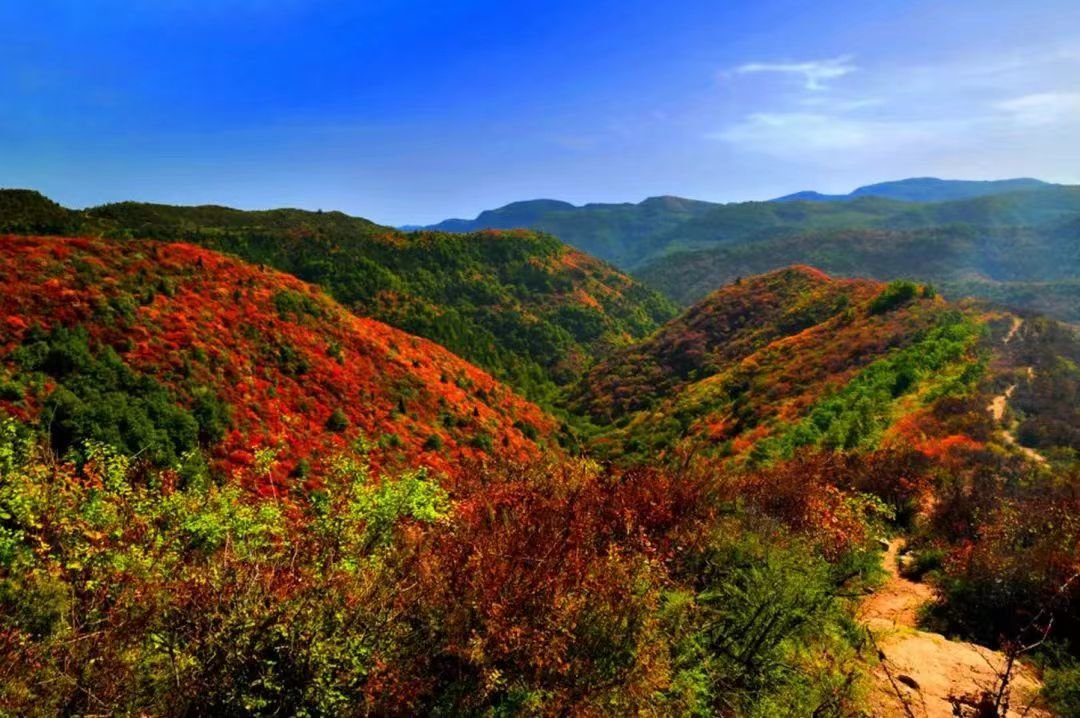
585 502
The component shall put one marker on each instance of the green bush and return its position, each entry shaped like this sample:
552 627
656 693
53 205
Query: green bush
762 600
1061 689
895 294
924 561
482 440
294 304
97 397
337 421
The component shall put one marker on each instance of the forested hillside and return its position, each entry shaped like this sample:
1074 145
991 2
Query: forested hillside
520 304
186 358
222 493
796 358
1028 267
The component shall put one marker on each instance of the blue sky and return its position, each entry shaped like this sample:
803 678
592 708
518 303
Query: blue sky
410 112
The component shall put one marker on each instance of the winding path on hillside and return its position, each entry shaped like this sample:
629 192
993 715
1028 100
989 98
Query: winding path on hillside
920 671
998 406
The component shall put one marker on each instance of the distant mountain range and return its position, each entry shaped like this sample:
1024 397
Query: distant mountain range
1014 241
923 189
619 233
631 235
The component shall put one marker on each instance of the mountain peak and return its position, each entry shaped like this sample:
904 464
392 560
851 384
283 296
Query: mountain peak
810 196
23 210
933 189
667 201
528 205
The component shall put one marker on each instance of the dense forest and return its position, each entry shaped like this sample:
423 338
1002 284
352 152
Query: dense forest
179 355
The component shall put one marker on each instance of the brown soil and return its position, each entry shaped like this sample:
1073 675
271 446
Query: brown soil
921 671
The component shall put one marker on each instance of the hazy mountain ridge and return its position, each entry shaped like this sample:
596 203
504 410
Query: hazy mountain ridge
923 189
1026 267
633 235
1012 241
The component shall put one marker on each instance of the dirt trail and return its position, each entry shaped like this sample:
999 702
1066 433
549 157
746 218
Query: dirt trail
920 671
997 410
1017 322
896 603
1000 403
926 669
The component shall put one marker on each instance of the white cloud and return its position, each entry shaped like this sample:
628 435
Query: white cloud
803 134
830 103
1014 115
815 73
1043 109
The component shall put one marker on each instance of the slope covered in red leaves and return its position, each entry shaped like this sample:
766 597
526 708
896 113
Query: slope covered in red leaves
793 355
729 325
277 377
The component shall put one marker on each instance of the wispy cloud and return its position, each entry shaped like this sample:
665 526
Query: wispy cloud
830 103
814 73
974 106
804 134
1043 109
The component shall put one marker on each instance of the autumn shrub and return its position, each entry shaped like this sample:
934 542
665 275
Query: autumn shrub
1017 571
901 477
540 589
807 494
